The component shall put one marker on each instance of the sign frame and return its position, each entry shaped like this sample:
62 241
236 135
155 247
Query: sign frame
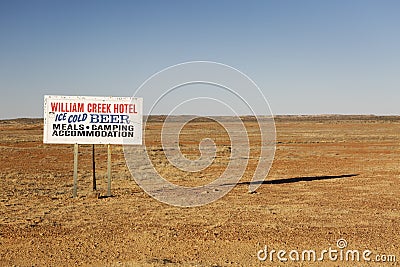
92 120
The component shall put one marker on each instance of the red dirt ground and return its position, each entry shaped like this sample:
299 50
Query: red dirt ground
333 177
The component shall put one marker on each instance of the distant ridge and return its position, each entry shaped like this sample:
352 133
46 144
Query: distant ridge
161 118
22 121
322 117
337 117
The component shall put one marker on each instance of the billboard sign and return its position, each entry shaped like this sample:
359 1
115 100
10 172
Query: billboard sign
92 120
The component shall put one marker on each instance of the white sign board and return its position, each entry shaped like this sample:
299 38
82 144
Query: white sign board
92 120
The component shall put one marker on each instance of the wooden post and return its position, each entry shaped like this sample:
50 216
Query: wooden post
109 170
94 169
74 192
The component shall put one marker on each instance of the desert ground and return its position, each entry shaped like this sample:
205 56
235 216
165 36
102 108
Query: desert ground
333 177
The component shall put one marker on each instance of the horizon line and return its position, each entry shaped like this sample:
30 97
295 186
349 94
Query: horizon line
245 115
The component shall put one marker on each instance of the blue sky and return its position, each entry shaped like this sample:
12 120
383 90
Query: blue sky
308 57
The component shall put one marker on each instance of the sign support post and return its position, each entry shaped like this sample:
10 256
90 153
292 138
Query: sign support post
94 168
75 170
109 170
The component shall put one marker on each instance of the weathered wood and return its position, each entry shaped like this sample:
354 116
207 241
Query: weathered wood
75 189
109 170
94 169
